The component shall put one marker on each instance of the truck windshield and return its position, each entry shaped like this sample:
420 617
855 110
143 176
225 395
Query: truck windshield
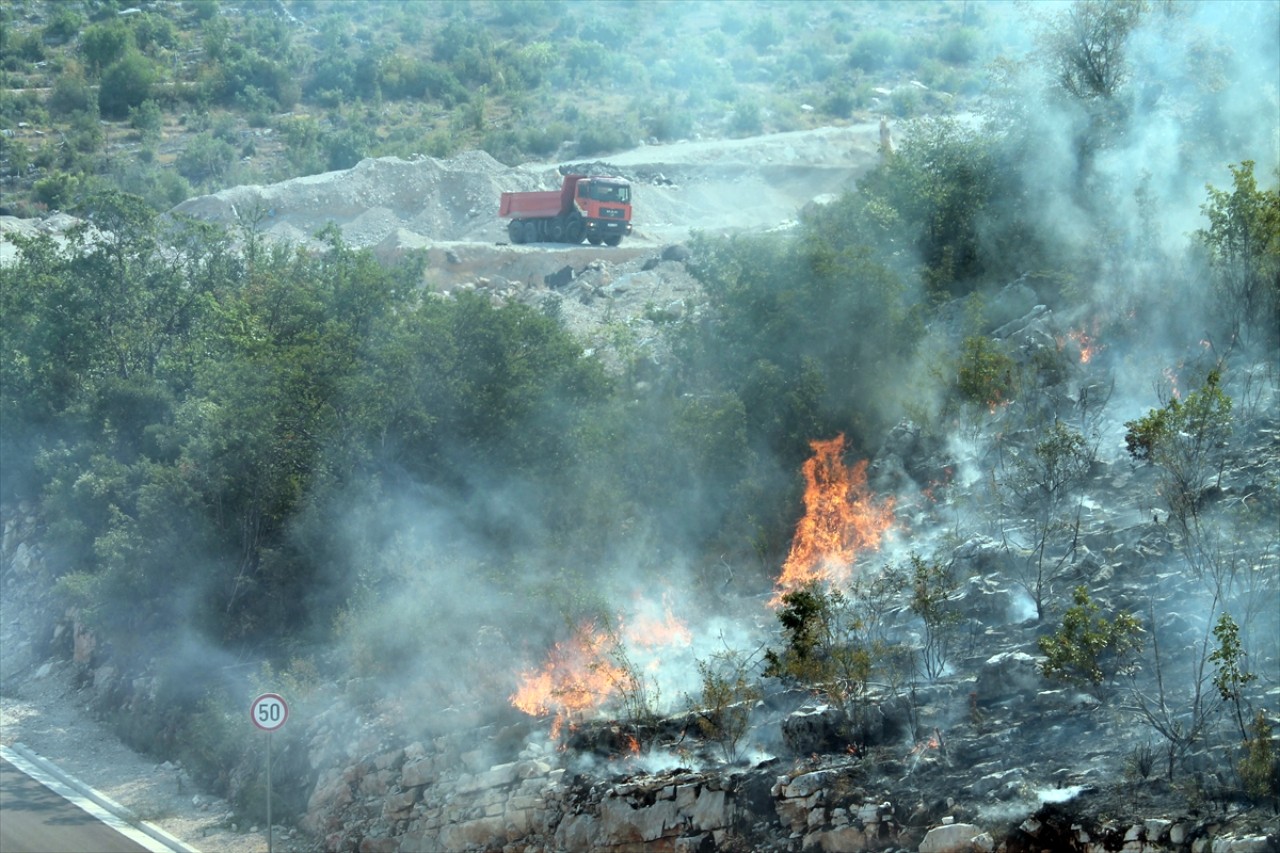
610 192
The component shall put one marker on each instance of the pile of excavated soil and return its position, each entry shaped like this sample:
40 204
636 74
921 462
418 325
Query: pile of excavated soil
755 183
439 200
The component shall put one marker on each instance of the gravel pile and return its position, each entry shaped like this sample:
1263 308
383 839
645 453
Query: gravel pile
438 200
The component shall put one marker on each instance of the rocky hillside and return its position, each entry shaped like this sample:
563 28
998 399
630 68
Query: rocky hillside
1041 618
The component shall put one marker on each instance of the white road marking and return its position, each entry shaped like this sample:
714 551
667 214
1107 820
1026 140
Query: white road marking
94 802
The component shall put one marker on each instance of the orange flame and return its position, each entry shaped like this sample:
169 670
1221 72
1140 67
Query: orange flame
649 631
1085 343
841 519
578 676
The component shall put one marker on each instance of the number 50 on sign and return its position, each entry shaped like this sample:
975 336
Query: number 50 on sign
269 711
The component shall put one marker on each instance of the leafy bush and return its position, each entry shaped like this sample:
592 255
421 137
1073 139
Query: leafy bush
932 586
873 50
1243 245
1185 440
960 45
65 23
71 94
205 157
125 84
985 372
729 692
746 118
1089 649
1260 766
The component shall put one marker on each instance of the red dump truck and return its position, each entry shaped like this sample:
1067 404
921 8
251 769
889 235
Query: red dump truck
597 208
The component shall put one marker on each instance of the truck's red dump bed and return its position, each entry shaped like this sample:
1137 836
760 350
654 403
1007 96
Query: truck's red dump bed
536 205
530 205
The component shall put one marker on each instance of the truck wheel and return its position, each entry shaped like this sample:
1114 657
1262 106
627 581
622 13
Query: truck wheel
613 239
593 239
574 230
531 230
515 231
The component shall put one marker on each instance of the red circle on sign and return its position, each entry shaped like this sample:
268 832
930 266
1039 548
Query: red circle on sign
269 711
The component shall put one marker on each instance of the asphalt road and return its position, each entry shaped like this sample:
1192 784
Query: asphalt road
36 820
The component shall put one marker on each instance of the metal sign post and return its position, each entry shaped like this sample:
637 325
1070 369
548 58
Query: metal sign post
269 712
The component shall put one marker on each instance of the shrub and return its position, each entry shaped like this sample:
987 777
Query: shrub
205 157
71 94
746 118
1185 440
873 50
1089 650
127 83
985 373
1260 767
960 46
728 694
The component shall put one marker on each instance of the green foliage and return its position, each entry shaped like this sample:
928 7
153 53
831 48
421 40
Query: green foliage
873 50
1084 46
205 158
1040 486
1229 676
71 94
984 375
833 644
1185 440
103 44
126 83
932 586
1260 767
64 24
729 693
746 118
961 45
1089 649
1243 246
147 119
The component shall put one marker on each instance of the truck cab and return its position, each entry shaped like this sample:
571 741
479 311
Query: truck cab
605 204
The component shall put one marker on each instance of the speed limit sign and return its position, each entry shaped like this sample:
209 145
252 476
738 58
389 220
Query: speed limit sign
269 711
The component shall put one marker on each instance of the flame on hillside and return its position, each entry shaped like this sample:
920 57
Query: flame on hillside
581 674
649 630
842 518
577 677
1085 342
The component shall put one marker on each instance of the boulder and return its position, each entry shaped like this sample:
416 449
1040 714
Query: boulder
951 838
1009 675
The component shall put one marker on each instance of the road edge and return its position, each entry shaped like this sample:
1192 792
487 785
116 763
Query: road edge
69 787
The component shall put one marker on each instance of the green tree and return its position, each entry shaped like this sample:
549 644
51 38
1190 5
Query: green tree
1089 649
1185 440
1260 766
1243 246
1041 486
932 587
103 44
126 83
205 158
71 93
984 375
1230 675
833 645
1084 46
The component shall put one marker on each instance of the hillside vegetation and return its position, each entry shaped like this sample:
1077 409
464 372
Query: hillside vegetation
241 451
166 100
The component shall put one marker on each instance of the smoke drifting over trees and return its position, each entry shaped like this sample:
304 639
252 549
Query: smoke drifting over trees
245 453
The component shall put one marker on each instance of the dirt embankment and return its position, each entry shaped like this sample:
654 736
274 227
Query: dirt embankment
392 205
449 210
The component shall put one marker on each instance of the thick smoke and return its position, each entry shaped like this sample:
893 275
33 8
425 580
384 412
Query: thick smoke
441 622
